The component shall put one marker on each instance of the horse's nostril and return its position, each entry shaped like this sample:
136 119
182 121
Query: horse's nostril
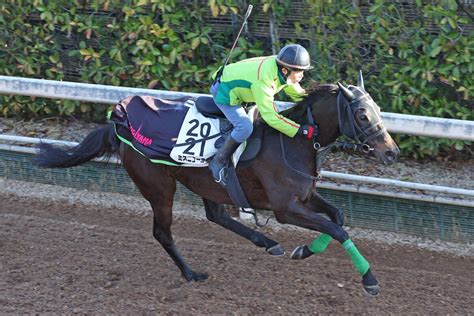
390 154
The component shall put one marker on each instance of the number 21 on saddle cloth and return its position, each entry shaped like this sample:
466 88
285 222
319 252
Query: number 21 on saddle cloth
172 132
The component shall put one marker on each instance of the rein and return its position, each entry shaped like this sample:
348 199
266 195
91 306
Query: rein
321 152
304 175
361 136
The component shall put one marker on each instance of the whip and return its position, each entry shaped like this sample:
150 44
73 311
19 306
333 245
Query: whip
247 14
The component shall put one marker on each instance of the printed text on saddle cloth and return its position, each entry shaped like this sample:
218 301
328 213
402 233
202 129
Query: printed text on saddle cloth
196 140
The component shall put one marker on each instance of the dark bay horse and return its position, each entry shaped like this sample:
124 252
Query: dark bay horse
281 177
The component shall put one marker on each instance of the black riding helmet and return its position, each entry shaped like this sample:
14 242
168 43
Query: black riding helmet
294 57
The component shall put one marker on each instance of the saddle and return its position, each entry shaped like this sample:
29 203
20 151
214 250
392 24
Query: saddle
208 108
182 132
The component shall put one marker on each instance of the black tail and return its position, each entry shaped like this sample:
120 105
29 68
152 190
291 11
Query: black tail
100 142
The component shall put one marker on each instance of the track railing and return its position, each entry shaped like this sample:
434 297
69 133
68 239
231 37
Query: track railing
395 123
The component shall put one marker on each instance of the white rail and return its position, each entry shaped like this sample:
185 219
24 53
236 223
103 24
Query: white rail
397 183
322 184
395 123
325 174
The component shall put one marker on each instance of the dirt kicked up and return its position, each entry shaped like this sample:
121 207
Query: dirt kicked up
62 258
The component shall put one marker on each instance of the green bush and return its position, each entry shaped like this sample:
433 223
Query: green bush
422 65
425 73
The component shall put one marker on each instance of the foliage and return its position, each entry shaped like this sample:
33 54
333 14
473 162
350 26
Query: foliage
144 43
422 72
421 66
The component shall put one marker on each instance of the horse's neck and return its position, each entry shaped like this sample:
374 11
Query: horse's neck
323 105
326 117
288 152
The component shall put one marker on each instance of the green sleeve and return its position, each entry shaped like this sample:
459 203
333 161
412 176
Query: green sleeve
295 92
264 98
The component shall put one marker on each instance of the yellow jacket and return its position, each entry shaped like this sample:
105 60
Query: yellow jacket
257 80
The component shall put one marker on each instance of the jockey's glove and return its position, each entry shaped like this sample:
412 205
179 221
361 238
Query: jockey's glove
307 131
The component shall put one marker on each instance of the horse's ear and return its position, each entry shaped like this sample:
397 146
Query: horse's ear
346 92
360 80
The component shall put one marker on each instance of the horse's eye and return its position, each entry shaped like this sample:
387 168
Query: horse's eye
364 118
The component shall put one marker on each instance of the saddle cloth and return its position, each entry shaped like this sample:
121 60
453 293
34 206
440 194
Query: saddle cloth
172 132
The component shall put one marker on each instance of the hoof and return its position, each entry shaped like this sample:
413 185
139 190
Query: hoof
370 283
301 252
193 276
276 250
372 290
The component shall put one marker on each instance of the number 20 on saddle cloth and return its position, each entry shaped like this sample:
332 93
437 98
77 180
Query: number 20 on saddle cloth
171 132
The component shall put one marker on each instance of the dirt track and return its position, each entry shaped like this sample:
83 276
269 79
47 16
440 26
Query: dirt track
58 258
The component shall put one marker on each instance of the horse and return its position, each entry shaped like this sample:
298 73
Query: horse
282 177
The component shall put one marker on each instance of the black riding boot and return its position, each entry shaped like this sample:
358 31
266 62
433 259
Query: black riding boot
219 163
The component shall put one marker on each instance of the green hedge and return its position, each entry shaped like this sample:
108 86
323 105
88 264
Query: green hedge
417 60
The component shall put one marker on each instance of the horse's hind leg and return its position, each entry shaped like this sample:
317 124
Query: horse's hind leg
158 187
216 213
162 232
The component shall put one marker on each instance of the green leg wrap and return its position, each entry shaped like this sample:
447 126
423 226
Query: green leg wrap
320 244
361 265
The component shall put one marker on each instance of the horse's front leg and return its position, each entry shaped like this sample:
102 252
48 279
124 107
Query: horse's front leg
216 213
300 215
317 203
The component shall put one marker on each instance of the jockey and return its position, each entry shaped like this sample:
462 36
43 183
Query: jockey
257 80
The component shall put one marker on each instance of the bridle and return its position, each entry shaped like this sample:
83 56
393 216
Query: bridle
348 126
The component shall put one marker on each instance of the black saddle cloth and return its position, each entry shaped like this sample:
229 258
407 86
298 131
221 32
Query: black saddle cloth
151 125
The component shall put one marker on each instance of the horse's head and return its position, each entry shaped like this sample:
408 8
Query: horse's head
359 119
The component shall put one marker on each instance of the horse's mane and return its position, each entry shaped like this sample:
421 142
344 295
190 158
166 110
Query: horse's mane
314 93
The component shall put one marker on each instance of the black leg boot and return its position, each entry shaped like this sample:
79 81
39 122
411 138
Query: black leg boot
220 162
